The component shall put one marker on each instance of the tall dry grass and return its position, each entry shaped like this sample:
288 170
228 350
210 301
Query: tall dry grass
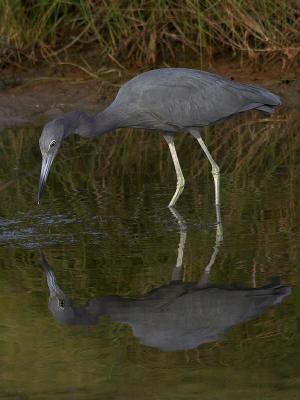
148 31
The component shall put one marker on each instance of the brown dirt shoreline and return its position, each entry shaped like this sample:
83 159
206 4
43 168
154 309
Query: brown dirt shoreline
32 99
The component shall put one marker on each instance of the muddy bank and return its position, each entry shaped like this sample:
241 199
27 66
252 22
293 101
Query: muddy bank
35 99
33 103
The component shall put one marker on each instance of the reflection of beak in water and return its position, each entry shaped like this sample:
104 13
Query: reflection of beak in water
61 306
177 316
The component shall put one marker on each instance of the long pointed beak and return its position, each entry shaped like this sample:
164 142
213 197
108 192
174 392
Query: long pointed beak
46 165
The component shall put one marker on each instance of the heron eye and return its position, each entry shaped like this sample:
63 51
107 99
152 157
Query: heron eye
61 303
52 144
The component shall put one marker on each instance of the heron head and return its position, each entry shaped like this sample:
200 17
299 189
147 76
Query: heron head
51 139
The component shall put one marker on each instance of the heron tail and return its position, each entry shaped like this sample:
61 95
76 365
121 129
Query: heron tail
266 109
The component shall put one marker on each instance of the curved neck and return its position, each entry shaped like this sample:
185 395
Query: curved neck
107 120
95 125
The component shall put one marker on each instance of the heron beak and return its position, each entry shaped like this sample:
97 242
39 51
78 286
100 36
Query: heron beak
46 165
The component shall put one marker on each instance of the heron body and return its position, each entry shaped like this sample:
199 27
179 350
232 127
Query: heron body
170 100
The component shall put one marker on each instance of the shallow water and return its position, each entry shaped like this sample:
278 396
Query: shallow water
139 327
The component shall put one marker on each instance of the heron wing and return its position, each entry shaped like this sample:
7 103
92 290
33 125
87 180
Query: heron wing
188 98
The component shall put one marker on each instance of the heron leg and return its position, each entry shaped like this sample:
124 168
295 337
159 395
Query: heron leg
215 169
180 177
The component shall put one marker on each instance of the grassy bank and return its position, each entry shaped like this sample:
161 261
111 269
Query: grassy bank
147 32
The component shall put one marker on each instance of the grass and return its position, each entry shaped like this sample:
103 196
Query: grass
147 32
243 148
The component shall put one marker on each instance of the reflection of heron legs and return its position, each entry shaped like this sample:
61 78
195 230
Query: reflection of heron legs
177 270
180 177
215 171
205 277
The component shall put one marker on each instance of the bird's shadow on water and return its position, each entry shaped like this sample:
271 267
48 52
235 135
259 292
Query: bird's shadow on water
175 316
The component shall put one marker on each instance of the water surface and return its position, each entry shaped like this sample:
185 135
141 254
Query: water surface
106 234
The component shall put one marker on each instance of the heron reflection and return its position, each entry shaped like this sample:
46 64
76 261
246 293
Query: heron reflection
176 316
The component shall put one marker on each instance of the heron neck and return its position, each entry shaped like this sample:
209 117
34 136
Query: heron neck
105 121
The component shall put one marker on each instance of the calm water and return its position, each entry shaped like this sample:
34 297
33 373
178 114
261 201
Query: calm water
107 294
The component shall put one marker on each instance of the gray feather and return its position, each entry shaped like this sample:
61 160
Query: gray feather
179 98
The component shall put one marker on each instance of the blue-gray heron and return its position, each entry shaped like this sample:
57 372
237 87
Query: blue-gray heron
169 100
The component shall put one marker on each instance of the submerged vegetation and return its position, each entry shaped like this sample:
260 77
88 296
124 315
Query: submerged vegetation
148 31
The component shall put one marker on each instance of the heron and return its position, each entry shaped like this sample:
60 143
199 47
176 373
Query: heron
169 100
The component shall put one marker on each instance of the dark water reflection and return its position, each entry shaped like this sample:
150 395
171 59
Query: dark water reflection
176 316
152 280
